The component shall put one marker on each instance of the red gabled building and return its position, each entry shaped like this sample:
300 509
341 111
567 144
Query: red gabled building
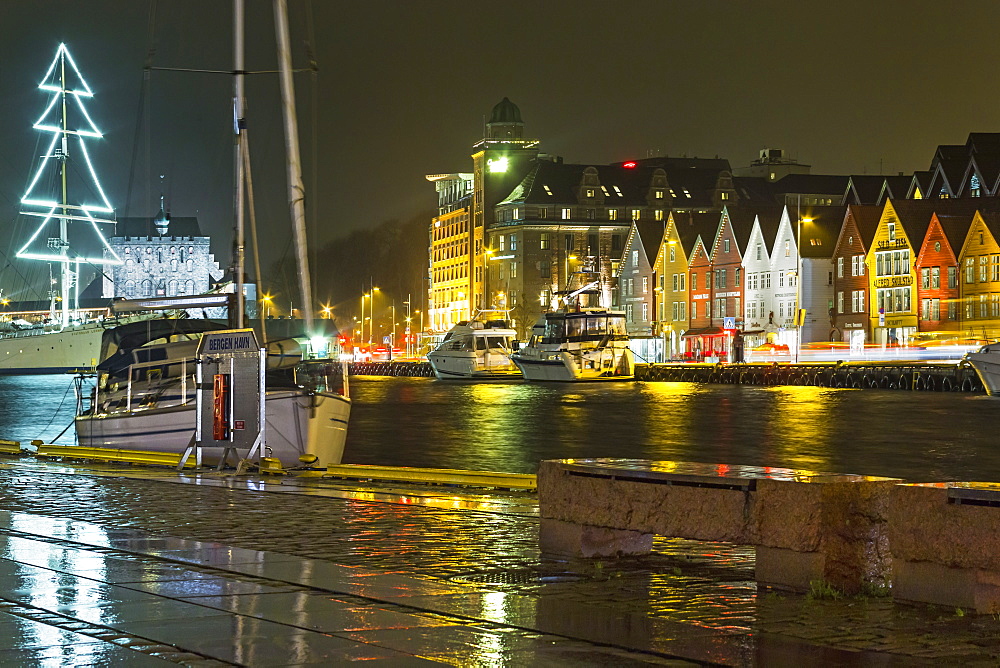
938 273
700 338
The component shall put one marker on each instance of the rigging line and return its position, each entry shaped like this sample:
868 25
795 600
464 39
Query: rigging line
56 413
228 72
141 119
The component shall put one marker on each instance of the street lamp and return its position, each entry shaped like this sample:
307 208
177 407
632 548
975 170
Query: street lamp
266 298
371 325
799 313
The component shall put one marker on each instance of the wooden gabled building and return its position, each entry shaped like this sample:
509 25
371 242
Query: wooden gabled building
850 275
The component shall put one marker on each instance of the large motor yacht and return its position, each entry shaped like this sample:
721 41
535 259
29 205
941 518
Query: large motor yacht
476 349
574 345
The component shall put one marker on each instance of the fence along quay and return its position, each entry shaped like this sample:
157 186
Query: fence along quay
960 377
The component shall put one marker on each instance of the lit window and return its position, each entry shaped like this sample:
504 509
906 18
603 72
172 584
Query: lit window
548 191
635 214
618 191
604 189
612 214
565 214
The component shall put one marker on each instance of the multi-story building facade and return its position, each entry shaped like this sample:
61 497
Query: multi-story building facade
980 277
815 243
451 269
937 272
758 303
671 264
500 160
162 256
850 278
893 307
638 288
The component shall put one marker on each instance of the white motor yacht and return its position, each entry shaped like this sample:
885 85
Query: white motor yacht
986 362
476 350
144 398
575 345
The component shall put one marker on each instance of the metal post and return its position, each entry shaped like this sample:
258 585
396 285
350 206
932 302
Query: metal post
240 123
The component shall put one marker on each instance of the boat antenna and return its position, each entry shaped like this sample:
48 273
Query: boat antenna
296 190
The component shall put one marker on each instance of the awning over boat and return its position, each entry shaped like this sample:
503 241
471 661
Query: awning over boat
705 331
117 343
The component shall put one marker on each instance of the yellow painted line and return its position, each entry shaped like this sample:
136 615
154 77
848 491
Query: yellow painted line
114 455
433 476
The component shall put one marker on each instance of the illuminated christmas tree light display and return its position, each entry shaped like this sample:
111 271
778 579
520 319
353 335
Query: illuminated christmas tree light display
67 200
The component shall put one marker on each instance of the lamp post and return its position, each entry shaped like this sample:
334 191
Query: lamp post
799 321
266 298
363 298
371 328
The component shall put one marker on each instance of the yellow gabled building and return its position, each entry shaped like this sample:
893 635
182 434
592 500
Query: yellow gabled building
979 278
893 305
671 266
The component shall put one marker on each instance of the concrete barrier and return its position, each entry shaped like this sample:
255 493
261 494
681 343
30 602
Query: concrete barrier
945 540
806 526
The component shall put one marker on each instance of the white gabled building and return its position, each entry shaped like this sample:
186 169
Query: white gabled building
758 302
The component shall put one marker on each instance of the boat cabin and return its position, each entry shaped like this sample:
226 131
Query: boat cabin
580 326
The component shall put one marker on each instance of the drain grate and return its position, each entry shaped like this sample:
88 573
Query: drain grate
518 577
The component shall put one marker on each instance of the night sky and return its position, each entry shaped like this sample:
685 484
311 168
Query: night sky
403 89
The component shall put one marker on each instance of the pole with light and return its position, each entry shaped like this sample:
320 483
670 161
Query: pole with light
799 311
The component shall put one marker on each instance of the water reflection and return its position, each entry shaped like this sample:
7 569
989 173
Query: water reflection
512 426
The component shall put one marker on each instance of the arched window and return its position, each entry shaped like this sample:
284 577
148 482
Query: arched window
171 287
190 265
130 288
147 288
189 287
173 264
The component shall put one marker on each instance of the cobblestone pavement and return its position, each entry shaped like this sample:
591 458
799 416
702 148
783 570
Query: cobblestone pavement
689 599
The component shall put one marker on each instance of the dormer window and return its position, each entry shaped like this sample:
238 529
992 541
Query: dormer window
686 193
590 192
618 191
658 194
604 189
548 191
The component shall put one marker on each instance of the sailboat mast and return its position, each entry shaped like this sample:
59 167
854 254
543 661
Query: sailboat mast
239 125
63 222
296 191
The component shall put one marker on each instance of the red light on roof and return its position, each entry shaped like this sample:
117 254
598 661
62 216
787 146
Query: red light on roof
631 164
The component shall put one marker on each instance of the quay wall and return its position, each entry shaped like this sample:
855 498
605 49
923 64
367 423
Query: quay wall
862 375
401 368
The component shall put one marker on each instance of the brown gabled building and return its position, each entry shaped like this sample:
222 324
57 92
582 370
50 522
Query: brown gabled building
850 279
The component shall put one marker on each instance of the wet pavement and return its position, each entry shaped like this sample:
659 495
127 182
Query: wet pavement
103 565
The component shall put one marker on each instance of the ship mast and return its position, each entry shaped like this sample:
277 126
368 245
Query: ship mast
296 191
239 121
53 245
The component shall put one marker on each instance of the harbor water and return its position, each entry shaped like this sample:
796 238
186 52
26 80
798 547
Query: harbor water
920 436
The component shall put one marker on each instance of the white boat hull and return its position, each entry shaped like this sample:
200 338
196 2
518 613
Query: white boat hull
297 423
987 366
471 366
73 348
564 366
